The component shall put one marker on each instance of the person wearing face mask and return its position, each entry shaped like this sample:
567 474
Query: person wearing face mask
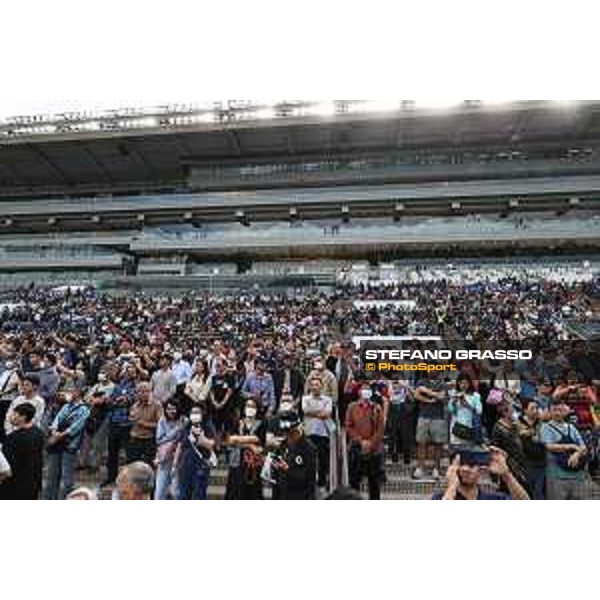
245 454
365 427
195 457
66 434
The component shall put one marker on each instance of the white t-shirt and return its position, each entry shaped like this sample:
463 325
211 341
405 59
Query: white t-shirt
39 405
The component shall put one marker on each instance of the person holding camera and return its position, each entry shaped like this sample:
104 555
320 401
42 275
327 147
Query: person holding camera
295 462
465 471
66 434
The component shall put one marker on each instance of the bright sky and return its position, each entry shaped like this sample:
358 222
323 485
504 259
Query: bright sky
58 55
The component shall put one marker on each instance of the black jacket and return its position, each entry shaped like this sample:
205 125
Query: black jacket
296 383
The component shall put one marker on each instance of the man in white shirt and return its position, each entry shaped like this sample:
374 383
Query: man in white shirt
28 387
317 409
181 369
163 383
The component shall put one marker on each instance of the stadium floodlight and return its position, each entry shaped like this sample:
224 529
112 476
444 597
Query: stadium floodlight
437 104
455 206
320 109
264 112
378 105
574 201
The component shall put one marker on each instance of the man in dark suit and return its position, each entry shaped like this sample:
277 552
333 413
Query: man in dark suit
337 363
288 380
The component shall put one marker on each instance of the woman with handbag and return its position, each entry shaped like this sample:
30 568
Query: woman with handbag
168 435
465 411
246 457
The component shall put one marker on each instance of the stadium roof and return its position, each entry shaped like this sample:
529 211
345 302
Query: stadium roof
131 150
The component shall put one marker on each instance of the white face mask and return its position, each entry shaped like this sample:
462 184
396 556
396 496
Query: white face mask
195 419
250 412
68 397
285 407
366 394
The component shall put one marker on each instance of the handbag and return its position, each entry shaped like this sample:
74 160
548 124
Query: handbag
62 444
463 432
5 470
562 458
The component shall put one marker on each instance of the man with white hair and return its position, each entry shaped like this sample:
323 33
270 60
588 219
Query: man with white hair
135 482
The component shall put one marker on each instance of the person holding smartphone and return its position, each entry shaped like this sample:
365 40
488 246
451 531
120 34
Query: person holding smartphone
466 469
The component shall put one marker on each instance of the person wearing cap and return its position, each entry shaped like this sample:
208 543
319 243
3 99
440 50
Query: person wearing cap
464 475
296 465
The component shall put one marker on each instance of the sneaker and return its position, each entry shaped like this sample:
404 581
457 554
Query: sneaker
418 473
435 474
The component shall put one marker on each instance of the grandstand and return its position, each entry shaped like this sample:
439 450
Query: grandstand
242 192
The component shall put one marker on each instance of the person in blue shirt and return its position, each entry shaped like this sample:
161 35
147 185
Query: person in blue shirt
66 434
465 411
565 457
465 471
119 425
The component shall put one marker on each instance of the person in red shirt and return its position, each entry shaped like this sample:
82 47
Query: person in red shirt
365 427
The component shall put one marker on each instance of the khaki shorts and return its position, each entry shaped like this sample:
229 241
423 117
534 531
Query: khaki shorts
432 431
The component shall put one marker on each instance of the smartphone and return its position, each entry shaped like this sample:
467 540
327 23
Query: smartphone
479 458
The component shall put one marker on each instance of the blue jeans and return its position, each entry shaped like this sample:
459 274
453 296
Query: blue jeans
61 467
164 479
536 478
192 482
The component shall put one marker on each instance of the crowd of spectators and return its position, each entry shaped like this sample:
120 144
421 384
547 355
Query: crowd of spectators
146 395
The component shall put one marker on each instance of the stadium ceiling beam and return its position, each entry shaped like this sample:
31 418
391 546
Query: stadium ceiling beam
14 173
521 122
65 179
585 119
101 168
289 141
234 139
131 149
